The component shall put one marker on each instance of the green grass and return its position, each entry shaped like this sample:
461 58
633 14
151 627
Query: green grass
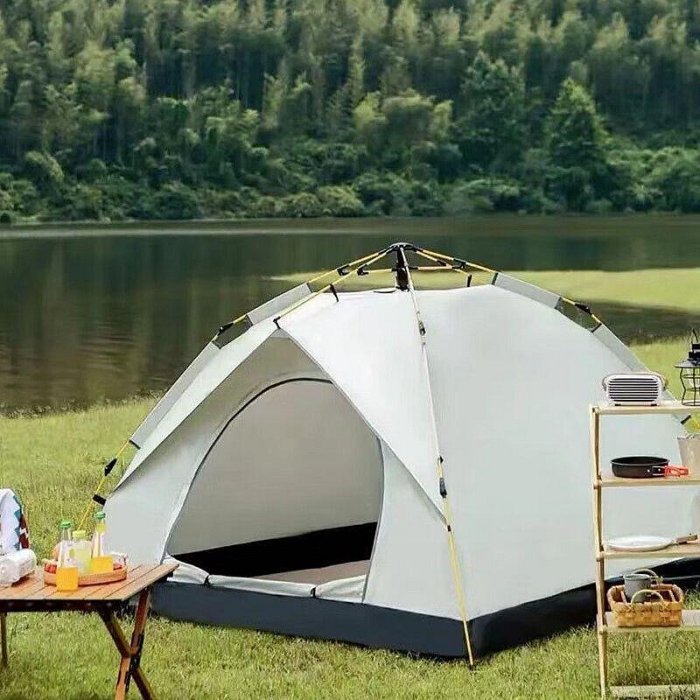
54 462
662 288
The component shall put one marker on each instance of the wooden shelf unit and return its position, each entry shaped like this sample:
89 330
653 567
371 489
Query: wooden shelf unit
605 624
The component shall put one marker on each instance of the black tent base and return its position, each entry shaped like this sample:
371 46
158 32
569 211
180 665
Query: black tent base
388 628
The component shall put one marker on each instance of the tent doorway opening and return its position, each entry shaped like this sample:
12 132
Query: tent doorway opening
290 490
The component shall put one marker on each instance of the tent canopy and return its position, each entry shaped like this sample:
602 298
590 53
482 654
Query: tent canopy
414 461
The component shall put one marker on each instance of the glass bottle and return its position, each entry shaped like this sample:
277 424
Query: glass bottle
66 569
82 549
101 560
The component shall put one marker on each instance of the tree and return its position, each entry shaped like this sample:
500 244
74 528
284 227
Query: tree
576 142
247 102
491 126
44 171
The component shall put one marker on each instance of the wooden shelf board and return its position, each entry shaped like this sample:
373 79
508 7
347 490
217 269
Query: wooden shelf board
672 552
653 691
691 623
606 409
616 482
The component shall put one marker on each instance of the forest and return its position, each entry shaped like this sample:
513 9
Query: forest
113 110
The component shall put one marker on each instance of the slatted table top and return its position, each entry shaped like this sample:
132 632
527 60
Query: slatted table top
32 590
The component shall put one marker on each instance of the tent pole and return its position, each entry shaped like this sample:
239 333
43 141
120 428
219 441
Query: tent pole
447 512
461 264
105 473
331 286
343 270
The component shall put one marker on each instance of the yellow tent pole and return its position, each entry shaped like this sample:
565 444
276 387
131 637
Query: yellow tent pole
436 257
427 253
359 261
446 510
364 261
101 483
348 267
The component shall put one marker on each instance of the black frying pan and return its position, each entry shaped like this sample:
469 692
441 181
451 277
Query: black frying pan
644 468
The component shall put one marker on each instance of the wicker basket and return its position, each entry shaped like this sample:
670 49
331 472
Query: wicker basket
665 610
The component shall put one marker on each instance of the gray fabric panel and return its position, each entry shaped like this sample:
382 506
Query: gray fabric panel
526 289
265 586
279 303
610 340
308 475
347 589
173 394
316 618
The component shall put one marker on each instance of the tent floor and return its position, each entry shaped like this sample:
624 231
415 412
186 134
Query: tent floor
321 575
388 628
314 618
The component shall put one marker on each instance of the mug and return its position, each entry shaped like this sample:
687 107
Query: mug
638 581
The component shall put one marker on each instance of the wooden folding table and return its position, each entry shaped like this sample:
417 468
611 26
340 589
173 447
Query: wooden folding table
33 595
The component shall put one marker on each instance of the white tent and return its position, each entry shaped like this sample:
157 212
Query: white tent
383 466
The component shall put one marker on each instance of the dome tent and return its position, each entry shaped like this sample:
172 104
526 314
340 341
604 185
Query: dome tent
397 468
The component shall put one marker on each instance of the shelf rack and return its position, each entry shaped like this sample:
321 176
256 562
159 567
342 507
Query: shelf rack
605 624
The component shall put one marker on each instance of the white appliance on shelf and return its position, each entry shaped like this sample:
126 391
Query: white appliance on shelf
635 388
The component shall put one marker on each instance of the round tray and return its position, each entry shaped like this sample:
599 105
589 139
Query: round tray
91 579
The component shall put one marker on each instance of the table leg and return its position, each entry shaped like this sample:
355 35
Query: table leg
3 640
130 663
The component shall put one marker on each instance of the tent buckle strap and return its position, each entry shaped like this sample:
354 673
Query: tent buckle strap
443 488
224 328
344 270
109 466
335 293
99 499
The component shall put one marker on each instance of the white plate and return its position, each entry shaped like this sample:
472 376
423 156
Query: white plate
638 543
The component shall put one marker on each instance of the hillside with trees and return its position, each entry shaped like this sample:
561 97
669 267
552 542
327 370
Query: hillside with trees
175 109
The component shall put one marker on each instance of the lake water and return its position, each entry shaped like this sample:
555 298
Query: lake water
88 314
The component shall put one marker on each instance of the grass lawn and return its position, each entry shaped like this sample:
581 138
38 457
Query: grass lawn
54 461
641 306
660 288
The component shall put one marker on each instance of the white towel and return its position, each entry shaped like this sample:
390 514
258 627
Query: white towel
13 527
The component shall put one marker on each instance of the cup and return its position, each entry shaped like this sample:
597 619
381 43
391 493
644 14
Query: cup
636 582
689 447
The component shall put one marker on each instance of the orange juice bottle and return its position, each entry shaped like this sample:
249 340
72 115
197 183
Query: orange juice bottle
66 569
100 561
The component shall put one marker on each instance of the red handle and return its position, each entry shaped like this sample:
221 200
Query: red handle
670 470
